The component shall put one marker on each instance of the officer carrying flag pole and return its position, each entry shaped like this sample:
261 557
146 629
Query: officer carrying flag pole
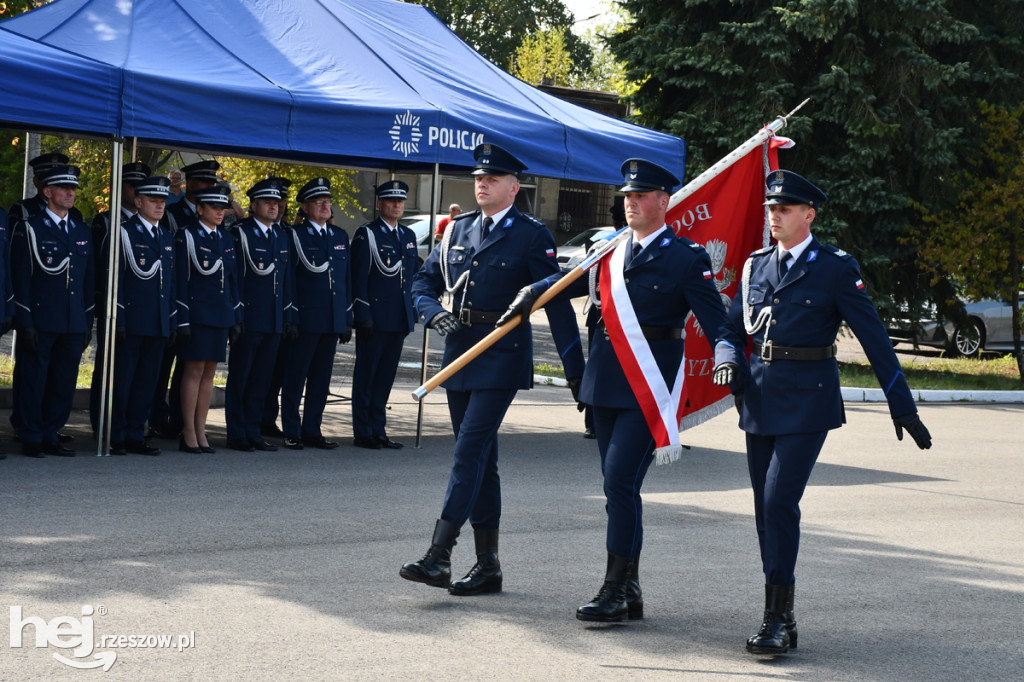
600 252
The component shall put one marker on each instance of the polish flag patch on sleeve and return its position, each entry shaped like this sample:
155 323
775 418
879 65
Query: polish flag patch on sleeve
550 253
859 284
707 274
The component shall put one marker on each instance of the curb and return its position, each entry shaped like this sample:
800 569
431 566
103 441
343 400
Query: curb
875 395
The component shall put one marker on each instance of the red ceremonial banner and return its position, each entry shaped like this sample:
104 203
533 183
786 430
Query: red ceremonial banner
727 217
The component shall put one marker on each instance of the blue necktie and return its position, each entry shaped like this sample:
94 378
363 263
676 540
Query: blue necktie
784 264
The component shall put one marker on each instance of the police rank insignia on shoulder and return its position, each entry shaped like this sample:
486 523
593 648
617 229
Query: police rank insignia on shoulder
529 218
761 252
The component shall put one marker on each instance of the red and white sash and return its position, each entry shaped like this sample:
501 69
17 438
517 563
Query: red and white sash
662 410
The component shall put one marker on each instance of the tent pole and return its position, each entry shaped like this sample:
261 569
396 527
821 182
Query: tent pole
109 318
435 201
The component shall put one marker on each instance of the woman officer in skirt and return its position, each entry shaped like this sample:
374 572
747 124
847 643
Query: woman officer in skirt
209 310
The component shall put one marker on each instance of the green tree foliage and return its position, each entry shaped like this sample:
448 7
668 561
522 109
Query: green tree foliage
496 28
980 240
543 58
892 86
11 8
244 173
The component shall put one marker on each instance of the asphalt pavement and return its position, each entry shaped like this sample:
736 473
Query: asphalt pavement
284 566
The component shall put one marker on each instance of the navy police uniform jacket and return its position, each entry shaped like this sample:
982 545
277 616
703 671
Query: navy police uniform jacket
486 278
264 276
383 267
207 277
666 281
52 275
822 288
146 287
321 266
6 287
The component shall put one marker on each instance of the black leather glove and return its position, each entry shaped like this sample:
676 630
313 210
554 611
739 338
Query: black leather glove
291 333
724 374
7 326
364 330
917 430
345 336
30 338
444 323
184 336
522 304
236 332
574 387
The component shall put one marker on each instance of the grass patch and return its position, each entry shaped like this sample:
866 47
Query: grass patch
943 374
939 374
85 371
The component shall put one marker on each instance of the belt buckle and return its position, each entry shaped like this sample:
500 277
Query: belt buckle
464 317
766 352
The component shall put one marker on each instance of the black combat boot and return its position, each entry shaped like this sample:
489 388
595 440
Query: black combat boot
609 606
435 568
485 576
788 616
772 638
634 595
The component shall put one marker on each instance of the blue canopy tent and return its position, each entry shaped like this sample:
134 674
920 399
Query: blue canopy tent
358 83
364 83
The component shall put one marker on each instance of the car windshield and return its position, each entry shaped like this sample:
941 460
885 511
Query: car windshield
584 238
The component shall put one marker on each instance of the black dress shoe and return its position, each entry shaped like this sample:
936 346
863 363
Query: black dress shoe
262 445
57 450
389 444
182 447
293 444
321 443
589 433
240 444
141 447
32 450
271 430
117 448
368 443
64 437
207 449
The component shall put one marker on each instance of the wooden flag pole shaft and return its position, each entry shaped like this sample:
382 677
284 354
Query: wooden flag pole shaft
574 274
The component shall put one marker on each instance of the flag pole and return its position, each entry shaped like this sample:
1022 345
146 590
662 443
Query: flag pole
597 254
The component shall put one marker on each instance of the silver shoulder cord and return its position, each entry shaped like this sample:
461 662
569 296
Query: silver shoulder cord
386 270
191 244
592 279
763 316
129 256
318 269
30 232
446 271
248 258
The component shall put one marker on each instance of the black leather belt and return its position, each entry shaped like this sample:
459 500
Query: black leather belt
770 351
470 317
651 333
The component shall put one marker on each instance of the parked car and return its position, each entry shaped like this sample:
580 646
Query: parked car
420 224
988 327
574 250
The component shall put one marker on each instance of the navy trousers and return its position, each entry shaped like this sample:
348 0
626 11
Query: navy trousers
136 369
46 381
627 450
474 488
272 404
309 366
249 375
374 375
780 467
